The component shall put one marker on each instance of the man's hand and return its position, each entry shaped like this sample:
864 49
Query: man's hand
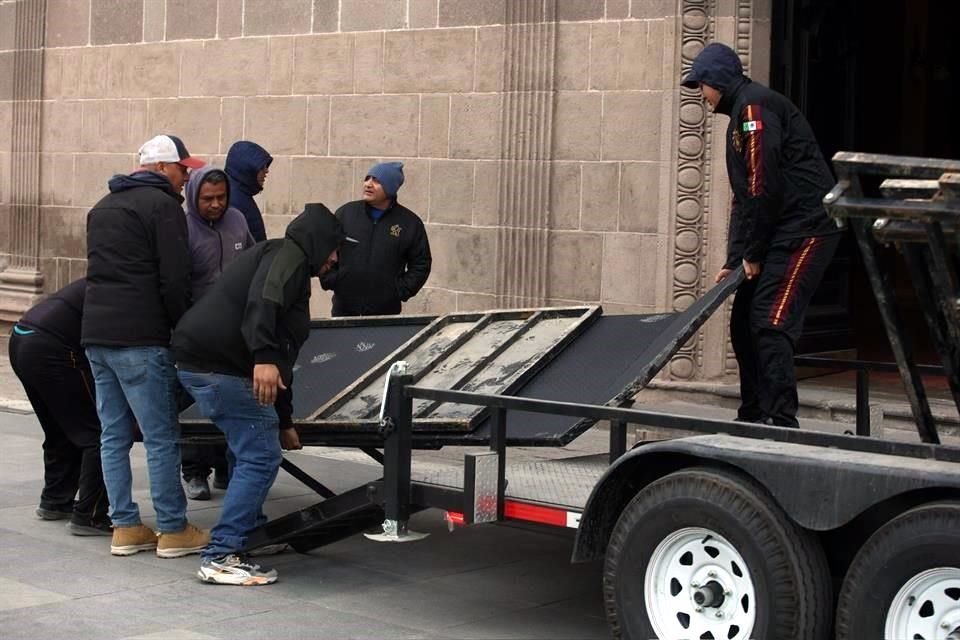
722 274
266 383
290 438
751 269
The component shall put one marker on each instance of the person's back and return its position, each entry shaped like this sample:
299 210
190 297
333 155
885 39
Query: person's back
138 266
247 166
138 286
235 352
46 355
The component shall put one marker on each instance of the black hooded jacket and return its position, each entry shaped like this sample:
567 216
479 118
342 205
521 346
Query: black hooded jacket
244 160
776 170
138 263
389 263
258 312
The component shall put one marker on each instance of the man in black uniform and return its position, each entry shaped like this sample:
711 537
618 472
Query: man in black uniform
391 261
779 229
46 355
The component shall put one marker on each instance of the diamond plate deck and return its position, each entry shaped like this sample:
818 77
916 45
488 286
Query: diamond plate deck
561 483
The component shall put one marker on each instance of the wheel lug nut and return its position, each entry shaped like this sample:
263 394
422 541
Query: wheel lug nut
728 593
712 574
719 614
944 625
695 585
699 609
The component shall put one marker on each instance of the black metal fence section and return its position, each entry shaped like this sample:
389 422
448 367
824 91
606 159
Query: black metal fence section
930 258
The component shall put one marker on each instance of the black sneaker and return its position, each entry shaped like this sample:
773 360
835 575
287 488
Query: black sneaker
198 489
236 570
54 514
90 528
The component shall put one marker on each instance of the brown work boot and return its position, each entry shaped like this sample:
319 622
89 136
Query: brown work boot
182 543
130 540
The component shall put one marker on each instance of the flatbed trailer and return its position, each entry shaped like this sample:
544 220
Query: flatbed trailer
745 531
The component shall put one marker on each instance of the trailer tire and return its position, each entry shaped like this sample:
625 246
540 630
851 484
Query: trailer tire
782 591
905 580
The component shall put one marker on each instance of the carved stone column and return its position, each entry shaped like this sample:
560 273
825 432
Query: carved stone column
693 183
526 149
21 283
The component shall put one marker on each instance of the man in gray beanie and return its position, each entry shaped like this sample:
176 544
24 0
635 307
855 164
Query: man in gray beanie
390 262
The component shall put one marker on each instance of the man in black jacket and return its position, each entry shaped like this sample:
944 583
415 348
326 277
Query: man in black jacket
391 262
235 351
46 355
138 286
779 230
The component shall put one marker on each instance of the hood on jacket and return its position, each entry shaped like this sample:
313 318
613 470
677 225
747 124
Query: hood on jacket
192 189
718 66
244 160
142 178
317 232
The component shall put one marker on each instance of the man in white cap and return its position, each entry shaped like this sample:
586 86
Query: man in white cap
138 286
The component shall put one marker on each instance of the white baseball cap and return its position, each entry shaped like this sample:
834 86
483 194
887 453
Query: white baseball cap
167 149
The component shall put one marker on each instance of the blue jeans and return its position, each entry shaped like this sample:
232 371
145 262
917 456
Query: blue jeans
253 439
138 384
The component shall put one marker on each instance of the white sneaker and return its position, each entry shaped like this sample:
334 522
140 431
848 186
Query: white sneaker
235 570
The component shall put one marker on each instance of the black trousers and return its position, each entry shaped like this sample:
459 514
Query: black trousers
199 459
766 322
60 388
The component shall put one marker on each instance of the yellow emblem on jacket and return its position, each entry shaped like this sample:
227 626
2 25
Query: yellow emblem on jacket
395 230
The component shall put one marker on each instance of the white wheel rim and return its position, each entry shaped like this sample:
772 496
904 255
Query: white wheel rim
686 563
927 607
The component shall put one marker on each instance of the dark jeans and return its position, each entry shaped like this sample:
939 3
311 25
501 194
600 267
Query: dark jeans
766 322
60 388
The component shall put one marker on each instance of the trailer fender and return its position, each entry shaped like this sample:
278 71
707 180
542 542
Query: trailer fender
819 488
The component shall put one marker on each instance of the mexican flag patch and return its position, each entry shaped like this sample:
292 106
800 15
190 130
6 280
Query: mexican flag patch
752 125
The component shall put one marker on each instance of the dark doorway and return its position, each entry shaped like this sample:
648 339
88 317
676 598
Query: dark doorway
880 76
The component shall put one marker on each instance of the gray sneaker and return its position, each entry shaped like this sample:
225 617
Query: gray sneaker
235 570
198 489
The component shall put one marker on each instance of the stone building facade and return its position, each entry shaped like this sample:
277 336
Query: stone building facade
547 143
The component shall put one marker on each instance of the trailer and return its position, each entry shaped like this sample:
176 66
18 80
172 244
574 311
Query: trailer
743 531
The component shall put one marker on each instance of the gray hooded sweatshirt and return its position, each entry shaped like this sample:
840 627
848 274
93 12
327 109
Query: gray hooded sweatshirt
213 244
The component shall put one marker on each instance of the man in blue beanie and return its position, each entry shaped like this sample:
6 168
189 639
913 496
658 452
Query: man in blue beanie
390 262
779 230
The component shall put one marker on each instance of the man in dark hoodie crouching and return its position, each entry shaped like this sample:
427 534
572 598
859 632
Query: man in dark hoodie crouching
235 350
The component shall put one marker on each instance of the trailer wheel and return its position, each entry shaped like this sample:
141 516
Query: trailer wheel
705 553
905 580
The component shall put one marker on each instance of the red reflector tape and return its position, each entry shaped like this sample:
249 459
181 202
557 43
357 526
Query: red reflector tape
535 513
455 518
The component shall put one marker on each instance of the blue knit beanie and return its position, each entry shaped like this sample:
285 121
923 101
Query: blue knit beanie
389 175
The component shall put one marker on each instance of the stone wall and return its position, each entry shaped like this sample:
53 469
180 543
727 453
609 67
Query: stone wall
546 142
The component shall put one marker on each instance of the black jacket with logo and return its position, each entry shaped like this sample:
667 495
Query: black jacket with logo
389 263
138 263
258 311
776 171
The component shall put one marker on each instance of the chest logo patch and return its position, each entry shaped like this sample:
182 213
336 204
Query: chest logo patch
237 246
395 230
